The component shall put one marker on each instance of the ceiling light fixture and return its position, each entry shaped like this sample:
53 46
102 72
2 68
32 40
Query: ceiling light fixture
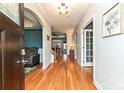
63 9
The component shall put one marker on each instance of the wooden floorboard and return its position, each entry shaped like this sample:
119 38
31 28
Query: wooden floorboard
61 75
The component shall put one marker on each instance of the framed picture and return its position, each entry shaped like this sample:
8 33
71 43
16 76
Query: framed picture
48 37
111 21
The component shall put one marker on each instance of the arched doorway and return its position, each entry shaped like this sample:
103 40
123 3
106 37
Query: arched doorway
33 41
59 43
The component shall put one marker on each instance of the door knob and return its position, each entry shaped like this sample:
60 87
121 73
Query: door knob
18 61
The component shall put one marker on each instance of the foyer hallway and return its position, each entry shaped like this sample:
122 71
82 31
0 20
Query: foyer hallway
61 75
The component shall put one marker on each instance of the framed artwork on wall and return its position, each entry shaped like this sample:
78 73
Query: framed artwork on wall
111 21
48 37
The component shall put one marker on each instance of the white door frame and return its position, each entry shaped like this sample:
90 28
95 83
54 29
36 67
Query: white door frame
82 39
82 48
92 18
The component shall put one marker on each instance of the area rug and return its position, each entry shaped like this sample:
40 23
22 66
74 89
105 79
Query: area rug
28 70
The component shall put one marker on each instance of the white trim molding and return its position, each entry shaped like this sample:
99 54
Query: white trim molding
98 86
44 67
78 62
82 64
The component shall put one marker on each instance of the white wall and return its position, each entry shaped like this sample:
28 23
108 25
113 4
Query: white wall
74 40
109 52
88 15
27 23
69 33
46 31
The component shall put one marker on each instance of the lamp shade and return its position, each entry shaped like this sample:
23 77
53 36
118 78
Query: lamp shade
23 52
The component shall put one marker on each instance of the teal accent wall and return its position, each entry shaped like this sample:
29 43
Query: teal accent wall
33 38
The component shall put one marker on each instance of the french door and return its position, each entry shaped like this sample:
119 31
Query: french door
88 47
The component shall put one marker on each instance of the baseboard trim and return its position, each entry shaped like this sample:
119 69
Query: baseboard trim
98 86
44 67
78 61
82 65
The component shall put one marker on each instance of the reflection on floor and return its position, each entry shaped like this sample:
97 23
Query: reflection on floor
61 75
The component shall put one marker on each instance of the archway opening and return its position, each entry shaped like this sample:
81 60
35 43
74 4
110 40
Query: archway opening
59 43
33 41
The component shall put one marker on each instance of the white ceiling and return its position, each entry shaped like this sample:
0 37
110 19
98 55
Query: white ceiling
61 22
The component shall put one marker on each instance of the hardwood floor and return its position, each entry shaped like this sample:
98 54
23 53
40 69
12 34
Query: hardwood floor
61 75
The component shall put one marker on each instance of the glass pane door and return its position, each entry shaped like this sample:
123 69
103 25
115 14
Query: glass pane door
88 47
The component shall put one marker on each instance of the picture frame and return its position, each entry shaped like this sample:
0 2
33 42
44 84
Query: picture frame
48 37
111 21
